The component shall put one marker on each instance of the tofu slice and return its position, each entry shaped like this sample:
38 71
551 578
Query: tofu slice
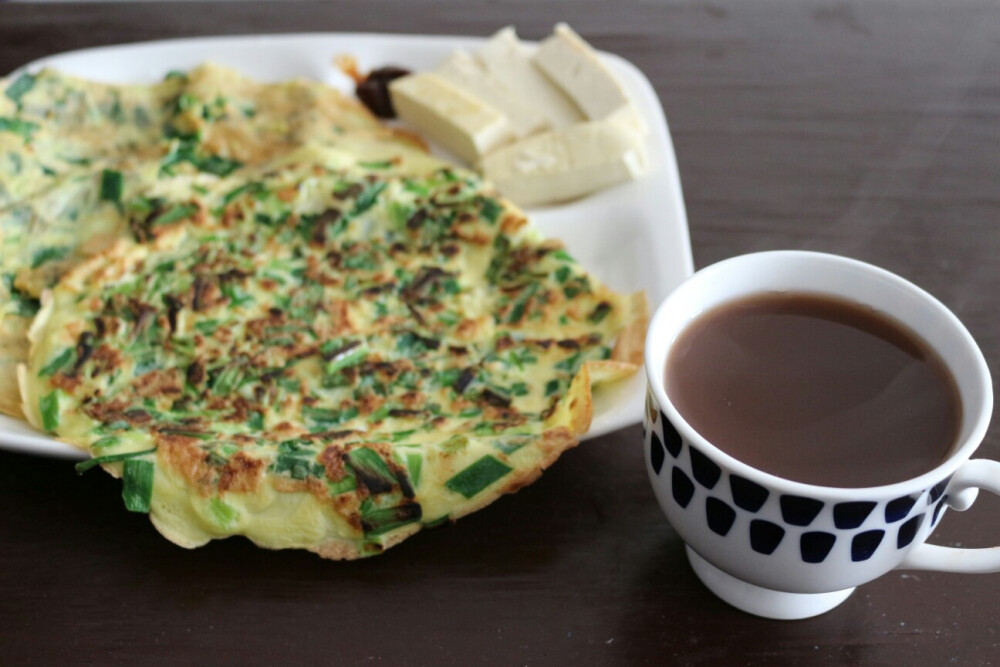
467 73
565 164
508 61
456 120
575 67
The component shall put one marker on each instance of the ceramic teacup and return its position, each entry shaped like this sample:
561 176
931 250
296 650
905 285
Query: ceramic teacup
783 549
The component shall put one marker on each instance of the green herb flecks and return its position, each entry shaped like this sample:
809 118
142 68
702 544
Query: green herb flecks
478 476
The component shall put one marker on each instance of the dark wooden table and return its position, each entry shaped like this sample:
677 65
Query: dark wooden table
866 129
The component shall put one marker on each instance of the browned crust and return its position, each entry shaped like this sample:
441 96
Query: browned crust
632 338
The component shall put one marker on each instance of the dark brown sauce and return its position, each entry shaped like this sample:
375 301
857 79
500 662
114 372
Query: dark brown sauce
815 389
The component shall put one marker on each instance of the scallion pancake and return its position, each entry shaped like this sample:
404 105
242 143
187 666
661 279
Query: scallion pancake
327 357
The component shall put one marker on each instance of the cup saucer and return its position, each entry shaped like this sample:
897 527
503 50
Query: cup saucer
763 601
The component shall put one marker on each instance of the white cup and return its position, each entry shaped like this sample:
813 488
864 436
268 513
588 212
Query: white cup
783 549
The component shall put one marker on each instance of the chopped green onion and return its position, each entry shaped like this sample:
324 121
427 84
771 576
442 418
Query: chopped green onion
223 513
84 466
371 469
349 483
478 476
403 435
58 363
511 444
256 421
49 254
227 380
455 443
252 188
207 327
48 405
368 198
351 358
563 255
521 303
376 522
111 185
106 441
491 209
383 164
219 166
17 126
175 213
600 312
21 85
414 463
137 485
328 417
570 363
440 521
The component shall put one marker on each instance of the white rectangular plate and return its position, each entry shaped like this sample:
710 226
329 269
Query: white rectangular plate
632 237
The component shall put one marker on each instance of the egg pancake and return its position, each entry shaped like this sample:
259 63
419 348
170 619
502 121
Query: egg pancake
327 357
73 151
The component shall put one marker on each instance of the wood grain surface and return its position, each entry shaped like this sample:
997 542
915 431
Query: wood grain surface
860 128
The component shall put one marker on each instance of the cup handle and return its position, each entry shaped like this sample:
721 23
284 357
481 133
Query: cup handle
961 493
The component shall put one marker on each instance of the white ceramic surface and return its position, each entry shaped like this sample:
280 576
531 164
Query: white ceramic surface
633 237
785 549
